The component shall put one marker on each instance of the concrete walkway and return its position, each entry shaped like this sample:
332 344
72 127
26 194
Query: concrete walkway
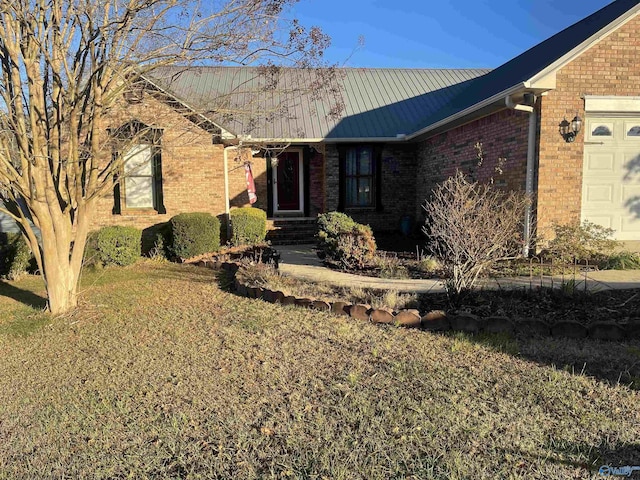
301 261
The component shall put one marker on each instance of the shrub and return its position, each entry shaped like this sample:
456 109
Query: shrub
622 261
345 242
471 226
581 241
116 245
194 234
248 226
15 254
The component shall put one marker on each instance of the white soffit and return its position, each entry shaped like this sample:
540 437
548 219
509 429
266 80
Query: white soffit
611 104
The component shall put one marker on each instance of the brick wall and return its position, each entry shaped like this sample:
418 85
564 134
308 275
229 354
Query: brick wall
192 169
398 187
609 68
503 135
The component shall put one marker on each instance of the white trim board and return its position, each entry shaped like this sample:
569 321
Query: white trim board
611 103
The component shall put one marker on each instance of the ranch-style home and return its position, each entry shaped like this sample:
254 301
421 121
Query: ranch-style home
561 121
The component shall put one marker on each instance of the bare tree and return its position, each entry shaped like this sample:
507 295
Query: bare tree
471 226
65 63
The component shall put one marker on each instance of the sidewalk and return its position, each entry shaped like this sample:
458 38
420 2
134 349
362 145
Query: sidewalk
301 261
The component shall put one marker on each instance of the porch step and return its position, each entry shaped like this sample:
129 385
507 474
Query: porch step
291 231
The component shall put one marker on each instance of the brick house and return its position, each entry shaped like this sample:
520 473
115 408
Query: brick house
402 131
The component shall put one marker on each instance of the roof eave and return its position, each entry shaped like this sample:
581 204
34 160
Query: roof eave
226 133
467 111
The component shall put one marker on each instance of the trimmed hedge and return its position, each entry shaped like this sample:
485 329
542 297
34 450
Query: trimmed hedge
15 255
194 234
115 245
344 242
248 226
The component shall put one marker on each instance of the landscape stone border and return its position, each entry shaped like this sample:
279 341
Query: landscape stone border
435 320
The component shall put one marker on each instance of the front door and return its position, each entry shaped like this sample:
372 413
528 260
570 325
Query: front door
288 182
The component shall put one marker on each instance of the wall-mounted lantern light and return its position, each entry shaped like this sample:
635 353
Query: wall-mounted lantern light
569 130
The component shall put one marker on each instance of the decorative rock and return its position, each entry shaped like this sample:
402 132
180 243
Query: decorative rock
408 318
435 320
606 331
289 300
278 296
499 325
304 302
533 327
321 305
381 315
569 329
359 311
465 322
340 308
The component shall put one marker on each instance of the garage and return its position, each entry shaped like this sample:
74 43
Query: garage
611 173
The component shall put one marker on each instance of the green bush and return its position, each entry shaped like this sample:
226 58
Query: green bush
113 246
581 241
194 234
248 226
344 242
15 255
622 261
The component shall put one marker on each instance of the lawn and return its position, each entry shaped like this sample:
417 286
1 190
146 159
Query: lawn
161 373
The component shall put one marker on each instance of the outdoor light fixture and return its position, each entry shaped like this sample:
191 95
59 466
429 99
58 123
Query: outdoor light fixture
569 130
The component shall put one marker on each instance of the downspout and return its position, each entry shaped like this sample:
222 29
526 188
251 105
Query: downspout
531 154
226 188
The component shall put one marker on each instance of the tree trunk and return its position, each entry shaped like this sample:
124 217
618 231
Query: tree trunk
62 288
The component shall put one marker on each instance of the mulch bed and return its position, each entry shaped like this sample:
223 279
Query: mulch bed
620 306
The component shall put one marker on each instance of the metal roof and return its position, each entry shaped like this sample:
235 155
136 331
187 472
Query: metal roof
377 103
530 63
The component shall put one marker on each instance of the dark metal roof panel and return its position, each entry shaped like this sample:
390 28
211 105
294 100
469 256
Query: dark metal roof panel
377 102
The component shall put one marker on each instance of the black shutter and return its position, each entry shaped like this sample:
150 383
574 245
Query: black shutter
377 159
117 209
306 162
269 185
342 182
158 196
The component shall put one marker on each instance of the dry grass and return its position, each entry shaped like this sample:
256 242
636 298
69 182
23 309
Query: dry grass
161 374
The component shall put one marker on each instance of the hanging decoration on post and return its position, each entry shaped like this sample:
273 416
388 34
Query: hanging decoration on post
251 186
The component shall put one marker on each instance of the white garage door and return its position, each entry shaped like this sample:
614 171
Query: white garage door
611 175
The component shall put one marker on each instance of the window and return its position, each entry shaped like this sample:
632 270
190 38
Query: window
359 177
138 177
139 184
601 131
634 131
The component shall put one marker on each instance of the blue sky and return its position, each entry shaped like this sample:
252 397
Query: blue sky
438 33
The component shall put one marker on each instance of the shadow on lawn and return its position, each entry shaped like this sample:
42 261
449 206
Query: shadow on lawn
612 362
23 296
595 456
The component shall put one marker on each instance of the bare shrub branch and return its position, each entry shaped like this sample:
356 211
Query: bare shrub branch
471 226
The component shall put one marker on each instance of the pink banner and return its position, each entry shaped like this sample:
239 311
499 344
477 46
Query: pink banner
251 186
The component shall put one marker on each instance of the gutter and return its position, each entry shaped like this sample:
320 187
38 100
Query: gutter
477 106
227 216
531 154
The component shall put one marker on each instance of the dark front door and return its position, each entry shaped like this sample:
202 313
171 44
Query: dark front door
288 181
